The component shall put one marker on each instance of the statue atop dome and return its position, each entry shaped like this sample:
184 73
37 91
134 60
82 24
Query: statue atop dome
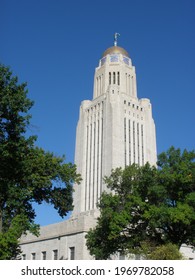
115 49
116 38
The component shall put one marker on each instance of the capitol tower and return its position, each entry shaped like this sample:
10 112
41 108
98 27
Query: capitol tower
115 128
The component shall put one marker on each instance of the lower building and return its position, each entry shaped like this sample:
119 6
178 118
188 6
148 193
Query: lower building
66 241
60 241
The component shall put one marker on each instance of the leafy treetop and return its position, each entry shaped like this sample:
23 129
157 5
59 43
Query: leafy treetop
147 207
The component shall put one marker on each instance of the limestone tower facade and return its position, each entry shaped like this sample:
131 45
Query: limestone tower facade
115 128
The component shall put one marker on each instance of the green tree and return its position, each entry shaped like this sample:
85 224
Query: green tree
27 173
147 207
166 252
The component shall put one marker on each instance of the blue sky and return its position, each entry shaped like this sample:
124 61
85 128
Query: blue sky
55 45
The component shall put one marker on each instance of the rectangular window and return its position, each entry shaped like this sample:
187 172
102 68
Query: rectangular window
134 142
94 160
90 166
55 254
33 256
129 142
109 78
72 253
138 144
114 78
103 60
86 176
114 58
44 257
126 60
142 139
98 143
125 129
102 144
24 257
125 139
118 78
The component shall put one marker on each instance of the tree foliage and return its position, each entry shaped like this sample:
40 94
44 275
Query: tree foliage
166 252
27 173
146 207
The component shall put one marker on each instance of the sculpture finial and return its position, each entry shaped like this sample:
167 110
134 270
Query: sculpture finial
116 38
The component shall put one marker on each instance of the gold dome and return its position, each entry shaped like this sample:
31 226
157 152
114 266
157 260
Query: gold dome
115 50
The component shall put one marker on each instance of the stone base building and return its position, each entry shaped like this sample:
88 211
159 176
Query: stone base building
60 241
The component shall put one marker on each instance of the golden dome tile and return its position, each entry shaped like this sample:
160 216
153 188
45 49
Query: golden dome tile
115 50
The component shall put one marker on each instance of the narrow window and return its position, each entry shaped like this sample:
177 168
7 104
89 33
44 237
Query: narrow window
125 139
55 254
72 253
129 142
138 150
102 137
44 255
142 139
86 176
125 129
98 145
90 165
109 78
114 78
24 256
134 142
126 82
33 256
94 160
118 78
